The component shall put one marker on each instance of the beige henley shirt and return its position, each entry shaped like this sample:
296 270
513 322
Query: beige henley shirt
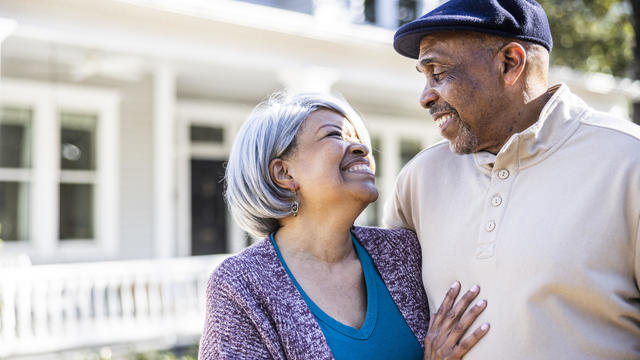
549 228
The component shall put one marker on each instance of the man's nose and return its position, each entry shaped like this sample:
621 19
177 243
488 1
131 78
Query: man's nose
428 97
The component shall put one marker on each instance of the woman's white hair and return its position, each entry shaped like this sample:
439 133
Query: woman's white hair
255 201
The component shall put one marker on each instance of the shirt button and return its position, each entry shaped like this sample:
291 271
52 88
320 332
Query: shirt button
496 200
503 174
491 225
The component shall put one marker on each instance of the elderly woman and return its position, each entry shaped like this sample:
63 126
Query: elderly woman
317 287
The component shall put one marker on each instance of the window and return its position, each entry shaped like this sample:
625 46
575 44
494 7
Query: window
391 13
15 172
370 11
58 171
77 175
408 10
408 149
206 134
15 137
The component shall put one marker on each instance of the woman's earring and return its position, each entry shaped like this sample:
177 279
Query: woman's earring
295 205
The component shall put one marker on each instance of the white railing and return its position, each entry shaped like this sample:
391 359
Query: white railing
47 308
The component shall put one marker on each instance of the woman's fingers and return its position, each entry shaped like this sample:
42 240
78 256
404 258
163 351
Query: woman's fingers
467 343
462 325
451 318
447 303
434 333
447 327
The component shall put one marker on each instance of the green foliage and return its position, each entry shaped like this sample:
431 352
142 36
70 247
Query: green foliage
106 353
189 353
592 35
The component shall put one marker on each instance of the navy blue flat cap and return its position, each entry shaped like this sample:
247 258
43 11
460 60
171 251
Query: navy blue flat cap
520 19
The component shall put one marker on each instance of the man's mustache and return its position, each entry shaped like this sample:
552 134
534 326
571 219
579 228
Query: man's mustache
442 107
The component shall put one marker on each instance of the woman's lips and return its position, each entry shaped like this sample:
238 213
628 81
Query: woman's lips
359 168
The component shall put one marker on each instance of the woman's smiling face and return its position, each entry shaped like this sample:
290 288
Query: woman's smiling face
330 164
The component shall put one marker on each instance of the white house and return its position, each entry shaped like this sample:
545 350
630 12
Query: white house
116 117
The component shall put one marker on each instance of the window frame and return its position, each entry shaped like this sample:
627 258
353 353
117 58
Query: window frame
78 177
229 117
48 101
21 174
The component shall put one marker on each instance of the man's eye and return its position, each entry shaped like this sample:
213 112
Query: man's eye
335 133
438 76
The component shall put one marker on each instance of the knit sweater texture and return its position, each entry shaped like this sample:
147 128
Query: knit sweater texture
254 310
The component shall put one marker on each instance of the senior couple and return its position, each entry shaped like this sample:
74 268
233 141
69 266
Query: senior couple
533 195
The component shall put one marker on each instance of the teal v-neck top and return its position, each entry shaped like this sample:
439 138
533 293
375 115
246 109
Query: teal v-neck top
384 333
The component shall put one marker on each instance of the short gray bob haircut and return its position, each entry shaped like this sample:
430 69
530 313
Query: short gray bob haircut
255 201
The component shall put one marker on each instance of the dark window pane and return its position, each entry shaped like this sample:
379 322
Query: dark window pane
78 141
207 134
370 11
14 211
15 137
409 149
76 211
208 209
407 11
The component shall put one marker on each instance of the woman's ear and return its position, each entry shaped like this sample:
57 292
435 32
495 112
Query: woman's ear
514 58
279 171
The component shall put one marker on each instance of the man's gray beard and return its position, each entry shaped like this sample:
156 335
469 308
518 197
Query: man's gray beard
466 142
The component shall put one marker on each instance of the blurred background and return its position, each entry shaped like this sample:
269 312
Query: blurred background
117 116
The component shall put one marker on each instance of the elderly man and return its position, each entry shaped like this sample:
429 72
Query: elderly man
534 195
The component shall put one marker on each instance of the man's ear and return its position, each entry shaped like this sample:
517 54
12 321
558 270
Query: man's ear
279 171
513 58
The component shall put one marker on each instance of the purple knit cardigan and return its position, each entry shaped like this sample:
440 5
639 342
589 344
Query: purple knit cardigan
254 310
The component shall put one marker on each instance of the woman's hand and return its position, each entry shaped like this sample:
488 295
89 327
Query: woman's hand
448 326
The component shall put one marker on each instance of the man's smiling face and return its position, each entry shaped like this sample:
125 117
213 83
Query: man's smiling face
463 88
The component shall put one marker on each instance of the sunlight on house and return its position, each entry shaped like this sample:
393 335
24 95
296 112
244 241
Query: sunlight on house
116 119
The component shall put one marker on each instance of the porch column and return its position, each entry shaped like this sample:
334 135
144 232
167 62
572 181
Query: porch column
387 14
6 28
164 105
44 209
390 151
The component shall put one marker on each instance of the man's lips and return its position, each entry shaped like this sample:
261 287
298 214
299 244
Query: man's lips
444 120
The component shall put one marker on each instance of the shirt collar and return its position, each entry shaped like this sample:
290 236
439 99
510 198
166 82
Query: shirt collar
557 121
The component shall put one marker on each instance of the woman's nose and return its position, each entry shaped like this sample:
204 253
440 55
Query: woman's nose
359 149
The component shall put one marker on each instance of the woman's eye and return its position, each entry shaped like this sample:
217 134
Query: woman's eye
335 133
